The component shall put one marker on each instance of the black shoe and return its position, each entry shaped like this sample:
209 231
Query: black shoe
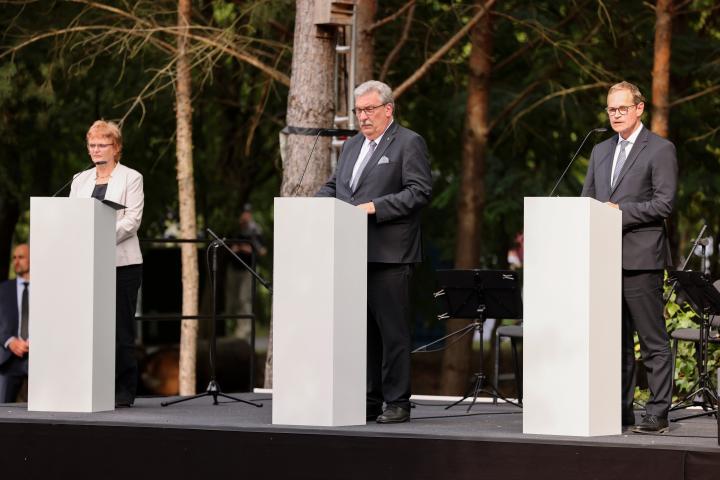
652 424
394 414
628 418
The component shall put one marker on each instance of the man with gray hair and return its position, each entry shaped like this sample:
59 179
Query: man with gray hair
385 171
636 172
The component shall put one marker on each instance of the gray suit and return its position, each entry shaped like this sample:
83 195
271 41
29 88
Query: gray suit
645 192
397 180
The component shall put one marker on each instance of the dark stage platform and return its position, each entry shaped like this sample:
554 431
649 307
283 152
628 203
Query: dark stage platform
199 440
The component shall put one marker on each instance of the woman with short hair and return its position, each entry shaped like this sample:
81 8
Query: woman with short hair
111 180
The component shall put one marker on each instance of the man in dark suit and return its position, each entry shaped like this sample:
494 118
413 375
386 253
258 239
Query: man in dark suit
636 171
14 315
385 171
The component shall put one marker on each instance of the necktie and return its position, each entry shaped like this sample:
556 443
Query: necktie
25 314
620 161
354 180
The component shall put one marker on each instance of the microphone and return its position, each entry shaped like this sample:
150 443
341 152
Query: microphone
704 241
307 162
75 176
599 130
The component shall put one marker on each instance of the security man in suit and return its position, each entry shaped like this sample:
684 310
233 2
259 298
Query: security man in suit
636 172
14 339
385 171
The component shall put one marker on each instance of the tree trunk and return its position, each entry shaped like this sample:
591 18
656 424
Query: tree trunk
471 197
366 11
186 199
310 104
660 113
661 68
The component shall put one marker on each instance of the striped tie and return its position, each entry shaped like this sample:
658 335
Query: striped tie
356 178
620 161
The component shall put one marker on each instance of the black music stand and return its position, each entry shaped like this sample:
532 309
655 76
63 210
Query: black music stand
479 294
704 299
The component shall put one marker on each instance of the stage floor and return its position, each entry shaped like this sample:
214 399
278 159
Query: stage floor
501 422
433 433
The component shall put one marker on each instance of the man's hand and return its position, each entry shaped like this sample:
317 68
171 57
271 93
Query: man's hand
19 347
368 207
613 205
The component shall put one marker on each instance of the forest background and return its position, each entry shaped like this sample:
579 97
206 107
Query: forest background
503 93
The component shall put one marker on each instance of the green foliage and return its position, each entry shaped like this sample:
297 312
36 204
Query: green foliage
552 62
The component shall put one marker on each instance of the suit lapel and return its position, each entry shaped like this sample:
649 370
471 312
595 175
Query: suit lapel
116 183
88 185
638 146
12 303
607 164
387 139
9 301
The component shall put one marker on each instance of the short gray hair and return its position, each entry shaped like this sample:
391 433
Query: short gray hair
382 89
633 89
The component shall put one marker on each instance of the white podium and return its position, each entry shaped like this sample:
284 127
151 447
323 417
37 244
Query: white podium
319 312
72 305
572 325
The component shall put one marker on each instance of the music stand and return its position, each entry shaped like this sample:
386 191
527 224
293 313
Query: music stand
704 299
478 295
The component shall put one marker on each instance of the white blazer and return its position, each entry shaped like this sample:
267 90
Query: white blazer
126 188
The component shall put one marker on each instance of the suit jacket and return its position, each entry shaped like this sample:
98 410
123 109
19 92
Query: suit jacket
644 191
397 180
8 317
126 188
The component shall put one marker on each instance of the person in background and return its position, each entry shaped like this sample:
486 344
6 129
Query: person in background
14 329
238 280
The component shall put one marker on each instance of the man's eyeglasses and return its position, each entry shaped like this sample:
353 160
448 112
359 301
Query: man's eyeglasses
611 111
101 146
367 110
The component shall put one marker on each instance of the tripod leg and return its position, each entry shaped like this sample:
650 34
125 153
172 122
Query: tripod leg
476 390
230 397
496 371
185 399
518 373
696 415
467 395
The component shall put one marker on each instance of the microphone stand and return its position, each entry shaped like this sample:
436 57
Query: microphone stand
92 164
213 388
601 129
247 267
